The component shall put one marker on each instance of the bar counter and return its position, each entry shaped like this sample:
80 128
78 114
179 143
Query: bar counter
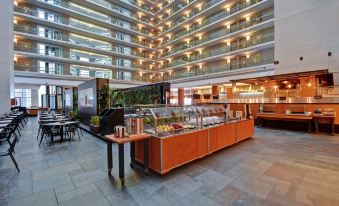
167 152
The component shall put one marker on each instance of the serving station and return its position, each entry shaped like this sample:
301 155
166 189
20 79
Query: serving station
180 135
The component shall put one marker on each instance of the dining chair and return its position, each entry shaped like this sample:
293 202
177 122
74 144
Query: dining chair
10 151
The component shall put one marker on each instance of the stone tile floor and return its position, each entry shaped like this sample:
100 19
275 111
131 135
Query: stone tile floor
274 168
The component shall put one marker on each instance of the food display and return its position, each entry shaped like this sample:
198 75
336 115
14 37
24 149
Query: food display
170 119
211 114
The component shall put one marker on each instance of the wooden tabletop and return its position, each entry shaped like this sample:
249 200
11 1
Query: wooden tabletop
126 139
285 116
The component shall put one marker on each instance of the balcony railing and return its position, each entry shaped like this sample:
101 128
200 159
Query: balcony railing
214 36
32 30
223 14
79 25
253 21
76 55
108 5
211 70
72 8
92 73
260 39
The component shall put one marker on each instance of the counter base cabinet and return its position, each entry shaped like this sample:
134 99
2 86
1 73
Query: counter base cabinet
168 153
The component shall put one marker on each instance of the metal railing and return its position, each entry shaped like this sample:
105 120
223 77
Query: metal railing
194 72
222 14
66 38
236 27
111 73
261 39
80 25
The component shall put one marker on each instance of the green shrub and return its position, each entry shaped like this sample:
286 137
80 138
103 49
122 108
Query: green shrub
73 114
95 121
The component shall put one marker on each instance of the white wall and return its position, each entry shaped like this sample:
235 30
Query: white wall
6 55
309 29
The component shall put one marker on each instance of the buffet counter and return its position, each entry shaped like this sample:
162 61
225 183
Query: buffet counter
171 150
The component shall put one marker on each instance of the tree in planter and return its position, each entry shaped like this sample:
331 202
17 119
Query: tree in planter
103 98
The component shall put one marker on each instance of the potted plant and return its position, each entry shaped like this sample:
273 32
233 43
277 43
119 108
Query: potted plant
95 124
73 115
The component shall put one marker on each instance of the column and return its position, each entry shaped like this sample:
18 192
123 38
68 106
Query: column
35 97
181 96
7 55
215 90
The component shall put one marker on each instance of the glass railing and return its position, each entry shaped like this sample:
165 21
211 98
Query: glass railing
174 9
82 10
80 25
251 62
258 39
136 4
86 72
79 56
211 37
220 33
223 14
69 39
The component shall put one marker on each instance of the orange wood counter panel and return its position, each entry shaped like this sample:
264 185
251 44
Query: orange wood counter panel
170 152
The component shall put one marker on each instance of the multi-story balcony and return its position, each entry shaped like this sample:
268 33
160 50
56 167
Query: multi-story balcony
218 36
225 13
103 21
111 9
242 64
75 57
221 51
174 7
73 25
77 71
134 5
214 23
77 41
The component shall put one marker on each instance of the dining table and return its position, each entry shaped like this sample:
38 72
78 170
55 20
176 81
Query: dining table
3 121
3 125
61 125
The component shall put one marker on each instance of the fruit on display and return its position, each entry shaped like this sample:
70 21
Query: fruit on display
173 114
177 126
165 128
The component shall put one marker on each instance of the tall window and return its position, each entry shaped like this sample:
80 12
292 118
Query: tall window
24 96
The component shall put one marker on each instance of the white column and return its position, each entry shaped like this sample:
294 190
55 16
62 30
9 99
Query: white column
7 55
35 97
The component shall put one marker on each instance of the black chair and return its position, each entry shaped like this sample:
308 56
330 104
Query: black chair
70 131
49 131
11 150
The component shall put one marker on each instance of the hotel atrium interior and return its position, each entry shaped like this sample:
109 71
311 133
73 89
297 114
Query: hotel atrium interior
169 102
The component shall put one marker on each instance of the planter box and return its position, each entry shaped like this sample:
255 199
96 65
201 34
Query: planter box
94 129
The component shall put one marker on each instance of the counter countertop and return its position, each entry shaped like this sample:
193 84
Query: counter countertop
188 131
